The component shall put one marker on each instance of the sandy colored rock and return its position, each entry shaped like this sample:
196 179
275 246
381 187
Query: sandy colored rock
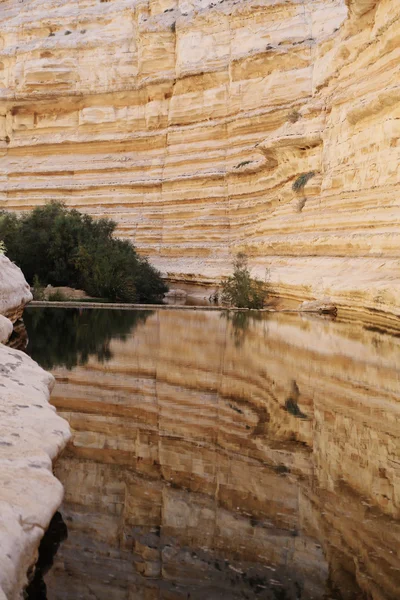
323 306
6 328
31 436
189 123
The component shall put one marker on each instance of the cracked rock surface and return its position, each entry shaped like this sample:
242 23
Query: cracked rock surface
14 290
189 122
31 436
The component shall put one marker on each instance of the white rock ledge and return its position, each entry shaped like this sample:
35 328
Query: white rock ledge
31 437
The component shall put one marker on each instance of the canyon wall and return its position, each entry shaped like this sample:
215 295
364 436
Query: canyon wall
31 436
189 122
211 453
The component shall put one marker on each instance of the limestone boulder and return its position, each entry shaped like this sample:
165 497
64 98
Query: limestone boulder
6 328
31 437
14 290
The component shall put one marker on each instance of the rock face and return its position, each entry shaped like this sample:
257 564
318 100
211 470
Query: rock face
14 290
31 436
256 441
189 122
6 328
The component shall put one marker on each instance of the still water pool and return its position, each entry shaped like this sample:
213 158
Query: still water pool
221 457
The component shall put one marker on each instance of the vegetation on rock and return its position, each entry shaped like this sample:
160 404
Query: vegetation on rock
64 247
37 289
241 289
294 116
301 181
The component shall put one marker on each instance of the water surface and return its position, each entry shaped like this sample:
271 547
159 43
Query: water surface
224 458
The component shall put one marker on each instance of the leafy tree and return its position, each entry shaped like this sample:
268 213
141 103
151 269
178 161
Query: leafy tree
64 247
242 290
37 289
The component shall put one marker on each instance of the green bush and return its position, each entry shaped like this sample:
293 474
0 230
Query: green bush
242 290
294 116
57 296
37 289
2 248
302 180
67 248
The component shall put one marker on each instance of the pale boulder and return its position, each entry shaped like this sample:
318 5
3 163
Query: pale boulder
14 290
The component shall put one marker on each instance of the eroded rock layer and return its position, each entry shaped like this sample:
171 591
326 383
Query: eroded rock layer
188 122
31 436
216 458
14 290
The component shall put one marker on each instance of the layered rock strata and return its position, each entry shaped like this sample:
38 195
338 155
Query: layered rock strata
31 436
209 454
189 122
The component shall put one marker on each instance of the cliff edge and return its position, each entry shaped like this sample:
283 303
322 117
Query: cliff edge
31 437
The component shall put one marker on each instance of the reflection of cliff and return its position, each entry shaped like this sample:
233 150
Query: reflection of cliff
214 469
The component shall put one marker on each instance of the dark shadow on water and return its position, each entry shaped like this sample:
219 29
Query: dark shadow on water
56 533
68 337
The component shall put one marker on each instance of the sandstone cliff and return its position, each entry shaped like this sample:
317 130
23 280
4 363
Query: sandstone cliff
31 436
189 122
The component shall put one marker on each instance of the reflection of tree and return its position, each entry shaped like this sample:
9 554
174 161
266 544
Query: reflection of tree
56 533
240 321
67 337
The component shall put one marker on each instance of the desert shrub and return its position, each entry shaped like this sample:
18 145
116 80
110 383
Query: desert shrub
242 290
294 116
64 247
302 180
37 289
243 164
